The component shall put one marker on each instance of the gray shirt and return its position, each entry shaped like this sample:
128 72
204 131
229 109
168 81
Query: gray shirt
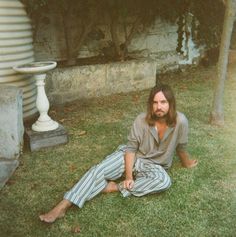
143 140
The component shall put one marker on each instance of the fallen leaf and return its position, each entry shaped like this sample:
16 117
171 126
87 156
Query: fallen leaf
82 132
72 167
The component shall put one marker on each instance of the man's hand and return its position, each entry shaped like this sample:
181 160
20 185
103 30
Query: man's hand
128 184
185 161
129 162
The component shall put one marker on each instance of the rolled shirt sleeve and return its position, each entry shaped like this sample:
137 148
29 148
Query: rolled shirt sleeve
135 135
183 134
181 147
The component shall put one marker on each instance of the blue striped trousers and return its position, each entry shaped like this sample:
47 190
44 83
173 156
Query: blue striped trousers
149 178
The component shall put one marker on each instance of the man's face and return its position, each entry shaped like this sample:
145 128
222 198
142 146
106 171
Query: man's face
160 105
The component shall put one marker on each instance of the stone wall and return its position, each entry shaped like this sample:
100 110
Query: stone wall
154 49
157 42
68 84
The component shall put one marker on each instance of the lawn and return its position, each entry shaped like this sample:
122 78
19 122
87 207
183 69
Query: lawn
201 201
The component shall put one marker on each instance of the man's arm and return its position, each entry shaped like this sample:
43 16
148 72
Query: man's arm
129 163
184 158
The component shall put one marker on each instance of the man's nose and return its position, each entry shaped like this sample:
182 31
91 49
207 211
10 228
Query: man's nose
158 105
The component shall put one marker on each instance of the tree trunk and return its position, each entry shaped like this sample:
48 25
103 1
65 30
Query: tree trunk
68 19
217 114
75 37
114 27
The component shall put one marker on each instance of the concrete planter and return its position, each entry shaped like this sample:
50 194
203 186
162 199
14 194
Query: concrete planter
68 84
11 131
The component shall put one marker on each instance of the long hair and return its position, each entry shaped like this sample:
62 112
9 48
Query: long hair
168 93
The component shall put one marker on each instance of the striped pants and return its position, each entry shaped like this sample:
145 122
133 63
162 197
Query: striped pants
149 178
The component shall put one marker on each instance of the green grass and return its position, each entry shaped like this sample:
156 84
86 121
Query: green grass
201 201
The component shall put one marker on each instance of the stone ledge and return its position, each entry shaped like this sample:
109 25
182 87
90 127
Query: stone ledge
68 84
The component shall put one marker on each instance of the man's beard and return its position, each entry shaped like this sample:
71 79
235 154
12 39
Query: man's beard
156 117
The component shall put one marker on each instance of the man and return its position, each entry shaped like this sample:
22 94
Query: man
152 142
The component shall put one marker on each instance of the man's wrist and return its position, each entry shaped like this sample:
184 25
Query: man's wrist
129 177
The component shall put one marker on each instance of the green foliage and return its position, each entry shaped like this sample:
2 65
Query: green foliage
33 6
203 20
210 15
133 15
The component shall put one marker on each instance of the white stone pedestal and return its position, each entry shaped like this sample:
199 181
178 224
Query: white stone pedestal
39 69
44 122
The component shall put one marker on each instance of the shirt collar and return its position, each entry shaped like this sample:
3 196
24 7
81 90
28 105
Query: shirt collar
154 132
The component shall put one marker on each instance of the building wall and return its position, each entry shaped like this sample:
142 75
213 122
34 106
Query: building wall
153 50
158 41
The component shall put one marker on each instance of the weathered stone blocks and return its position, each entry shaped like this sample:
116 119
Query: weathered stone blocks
68 84
11 122
11 130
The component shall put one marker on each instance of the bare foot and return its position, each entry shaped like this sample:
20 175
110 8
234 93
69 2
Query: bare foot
190 164
76 229
57 212
111 187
